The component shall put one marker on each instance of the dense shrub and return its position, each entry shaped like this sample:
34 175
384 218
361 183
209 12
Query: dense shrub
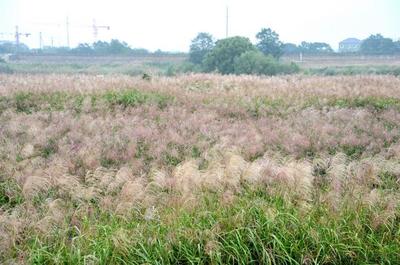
254 62
222 57
5 69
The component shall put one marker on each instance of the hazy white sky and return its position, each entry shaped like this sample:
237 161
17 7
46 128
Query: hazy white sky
170 25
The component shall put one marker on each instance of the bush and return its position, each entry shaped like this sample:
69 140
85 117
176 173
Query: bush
254 62
5 69
185 67
222 57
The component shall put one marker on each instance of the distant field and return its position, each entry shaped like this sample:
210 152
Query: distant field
309 61
199 169
137 65
176 65
56 59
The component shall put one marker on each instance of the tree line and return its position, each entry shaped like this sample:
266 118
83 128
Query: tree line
237 55
99 48
268 43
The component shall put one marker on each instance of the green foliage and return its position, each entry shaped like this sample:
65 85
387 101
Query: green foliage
223 56
254 62
10 194
376 103
143 151
50 148
11 47
353 151
256 229
200 46
133 97
269 43
355 70
24 102
377 44
5 69
175 154
389 180
315 48
290 48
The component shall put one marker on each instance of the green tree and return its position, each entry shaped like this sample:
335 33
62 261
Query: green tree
200 46
269 43
10 47
397 44
83 49
101 47
118 47
256 63
223 56
377 44
315 47
290 48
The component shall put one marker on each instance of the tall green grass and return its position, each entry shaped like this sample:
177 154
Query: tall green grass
256 228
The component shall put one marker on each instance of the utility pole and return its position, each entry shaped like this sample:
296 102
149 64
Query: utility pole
16 40
67 27
40 41
227 21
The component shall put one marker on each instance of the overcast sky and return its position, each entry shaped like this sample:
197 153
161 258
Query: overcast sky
170 25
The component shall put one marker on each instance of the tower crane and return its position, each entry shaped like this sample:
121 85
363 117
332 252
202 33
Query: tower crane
96 29
17 36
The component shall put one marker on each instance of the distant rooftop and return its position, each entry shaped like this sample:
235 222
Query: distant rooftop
351 41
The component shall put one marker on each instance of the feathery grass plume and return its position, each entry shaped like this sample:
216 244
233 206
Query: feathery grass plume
365 174
212 178
100 178
123 175
34 185
321 167
27 151
227 197
253 173
187 177
132 191
104 176
10 227
122 242
234 168
339 174
389 213
54 216
151 214
107 203
161 179
296 180
69 186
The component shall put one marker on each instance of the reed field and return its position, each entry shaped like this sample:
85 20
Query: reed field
199 169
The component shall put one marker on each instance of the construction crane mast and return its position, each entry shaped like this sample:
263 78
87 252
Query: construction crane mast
17 36
96 29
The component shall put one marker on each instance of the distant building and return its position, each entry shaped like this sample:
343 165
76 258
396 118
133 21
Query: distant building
350 45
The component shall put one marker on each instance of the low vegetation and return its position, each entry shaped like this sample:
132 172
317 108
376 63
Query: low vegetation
203 169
